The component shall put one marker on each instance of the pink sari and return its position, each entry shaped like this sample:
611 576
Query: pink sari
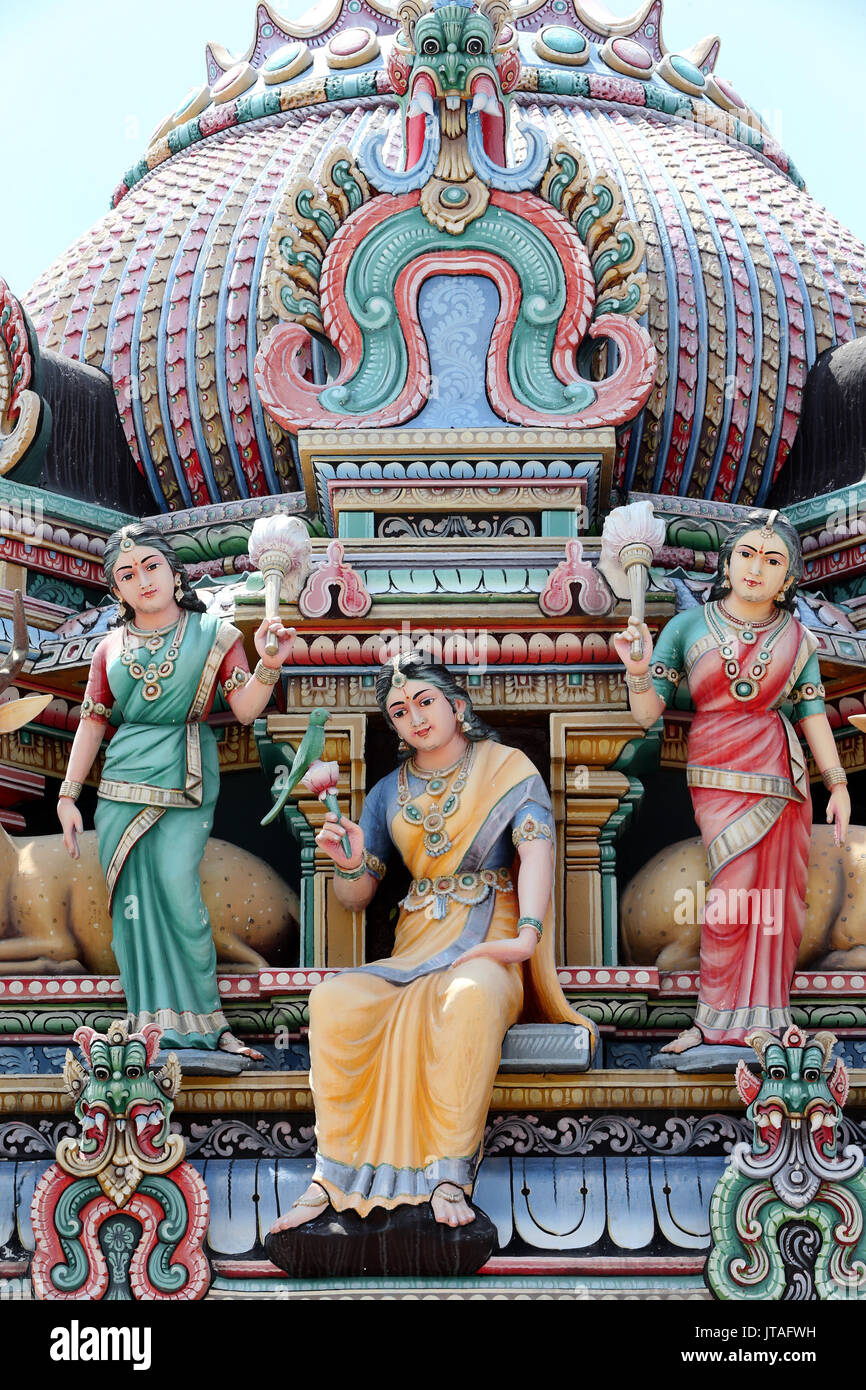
750 793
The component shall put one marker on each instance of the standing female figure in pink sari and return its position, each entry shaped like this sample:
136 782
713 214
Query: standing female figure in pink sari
745 655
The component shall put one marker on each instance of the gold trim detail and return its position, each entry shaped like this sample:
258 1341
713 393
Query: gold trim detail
184 1022
530 829
808 645
273 1092
374 865
704 644
761 1017
753 783
132 834
744 833
225 639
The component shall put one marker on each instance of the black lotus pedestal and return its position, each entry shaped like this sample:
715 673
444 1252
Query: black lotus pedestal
405 1242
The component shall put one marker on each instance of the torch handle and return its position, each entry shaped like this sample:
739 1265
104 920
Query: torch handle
638 575
273 582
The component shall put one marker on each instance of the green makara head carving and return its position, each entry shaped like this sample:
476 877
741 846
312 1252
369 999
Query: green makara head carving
775 1211
451 44
796 1089
122 1094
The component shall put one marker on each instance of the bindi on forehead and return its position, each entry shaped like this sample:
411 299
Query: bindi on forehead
135 561
405 697
762 549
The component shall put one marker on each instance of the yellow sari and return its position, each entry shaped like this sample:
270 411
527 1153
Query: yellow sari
404 1051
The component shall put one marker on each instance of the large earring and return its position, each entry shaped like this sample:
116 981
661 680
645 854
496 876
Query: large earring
726 582
402 746
463 721
125 613
178 587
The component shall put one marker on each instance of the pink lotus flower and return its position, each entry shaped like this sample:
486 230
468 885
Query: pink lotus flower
321 778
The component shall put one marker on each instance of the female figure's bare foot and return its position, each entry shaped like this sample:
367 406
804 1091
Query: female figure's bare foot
692 1037
450 1205
310 1204
229 1043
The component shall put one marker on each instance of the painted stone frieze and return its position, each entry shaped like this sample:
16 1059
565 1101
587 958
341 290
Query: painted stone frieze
349 264
120 1215
787 1214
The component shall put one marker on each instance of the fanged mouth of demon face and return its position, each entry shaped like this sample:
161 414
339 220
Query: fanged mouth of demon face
795 1091
452 65
795 1107
123 1105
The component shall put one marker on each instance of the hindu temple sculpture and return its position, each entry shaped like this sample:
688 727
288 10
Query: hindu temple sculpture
744 654
160 780
404 1051
787 1215
462 337
120 1215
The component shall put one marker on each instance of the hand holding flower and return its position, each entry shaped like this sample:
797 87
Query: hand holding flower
321 779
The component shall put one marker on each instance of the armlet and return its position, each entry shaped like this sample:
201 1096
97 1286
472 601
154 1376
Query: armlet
530 829
92 709
236 680
374 865
661 672
807 692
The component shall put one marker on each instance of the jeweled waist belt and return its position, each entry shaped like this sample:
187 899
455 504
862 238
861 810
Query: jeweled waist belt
469 889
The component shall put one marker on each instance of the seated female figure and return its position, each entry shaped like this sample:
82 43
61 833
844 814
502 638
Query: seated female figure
404 1051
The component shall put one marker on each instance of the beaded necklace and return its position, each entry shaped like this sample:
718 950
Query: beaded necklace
145 669
744 686
433 818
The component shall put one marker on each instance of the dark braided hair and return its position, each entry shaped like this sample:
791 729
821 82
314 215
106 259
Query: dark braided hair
416 668
786 533
141 533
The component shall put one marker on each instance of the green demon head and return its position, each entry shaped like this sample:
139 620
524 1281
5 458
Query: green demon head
797 1089
122 1095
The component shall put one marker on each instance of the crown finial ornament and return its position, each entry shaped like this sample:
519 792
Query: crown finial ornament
398 680
766 532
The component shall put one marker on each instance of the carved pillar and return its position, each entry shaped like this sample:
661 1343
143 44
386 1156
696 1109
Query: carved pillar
330 936
588 797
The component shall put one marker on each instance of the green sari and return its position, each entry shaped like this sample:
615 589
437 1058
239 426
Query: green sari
156 802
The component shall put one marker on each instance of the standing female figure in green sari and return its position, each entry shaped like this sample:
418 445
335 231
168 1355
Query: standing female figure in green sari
159 672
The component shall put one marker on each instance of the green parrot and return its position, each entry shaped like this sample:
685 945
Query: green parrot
310 750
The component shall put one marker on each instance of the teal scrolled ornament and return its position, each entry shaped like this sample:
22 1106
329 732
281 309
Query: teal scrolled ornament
120 1215
786 1216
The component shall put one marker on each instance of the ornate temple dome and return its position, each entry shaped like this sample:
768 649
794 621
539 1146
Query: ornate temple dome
749 280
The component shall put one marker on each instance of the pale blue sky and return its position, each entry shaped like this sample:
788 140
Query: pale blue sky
84 82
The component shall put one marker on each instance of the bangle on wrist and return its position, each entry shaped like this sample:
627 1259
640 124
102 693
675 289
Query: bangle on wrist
267 675
72 790
638 685
531 922
353 873
834 777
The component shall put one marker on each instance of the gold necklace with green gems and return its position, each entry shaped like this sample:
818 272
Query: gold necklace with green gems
147 671
436 839
744 685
